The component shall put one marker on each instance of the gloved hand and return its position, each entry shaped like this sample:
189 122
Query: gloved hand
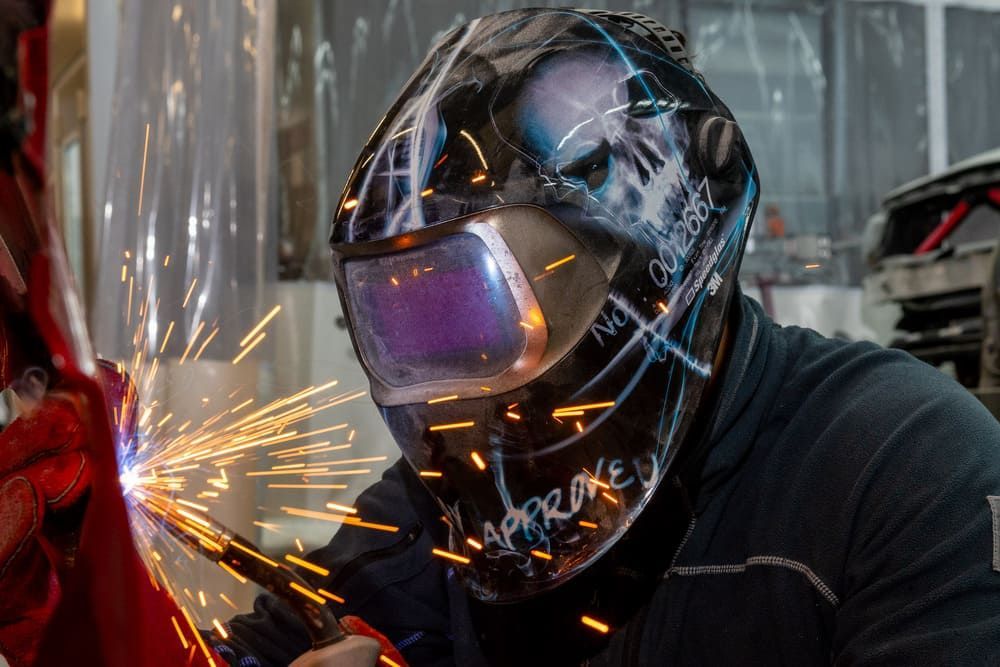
390 656
44 476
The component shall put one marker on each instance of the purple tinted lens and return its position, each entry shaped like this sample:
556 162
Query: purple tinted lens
441 311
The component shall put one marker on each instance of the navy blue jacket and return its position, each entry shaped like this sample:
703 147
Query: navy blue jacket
847 513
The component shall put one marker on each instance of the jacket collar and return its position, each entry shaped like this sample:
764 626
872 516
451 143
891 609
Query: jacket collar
751 380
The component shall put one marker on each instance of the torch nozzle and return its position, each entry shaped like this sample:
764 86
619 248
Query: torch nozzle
240 556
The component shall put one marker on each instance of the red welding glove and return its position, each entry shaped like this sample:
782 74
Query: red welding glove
44 474
389 656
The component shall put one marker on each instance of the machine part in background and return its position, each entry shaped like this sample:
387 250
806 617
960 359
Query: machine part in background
989 380
933 250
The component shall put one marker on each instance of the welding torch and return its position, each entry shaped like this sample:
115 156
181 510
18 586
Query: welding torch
331 644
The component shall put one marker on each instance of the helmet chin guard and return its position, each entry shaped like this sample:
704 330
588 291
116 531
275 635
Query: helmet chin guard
536 252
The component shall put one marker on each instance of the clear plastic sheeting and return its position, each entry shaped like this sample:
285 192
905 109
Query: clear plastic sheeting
183 267
182 199
248 405
879 107
766 63
972 42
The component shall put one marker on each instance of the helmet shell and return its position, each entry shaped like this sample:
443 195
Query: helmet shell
614 190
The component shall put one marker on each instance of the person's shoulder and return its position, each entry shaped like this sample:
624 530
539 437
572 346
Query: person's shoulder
862 380
881 474
860 406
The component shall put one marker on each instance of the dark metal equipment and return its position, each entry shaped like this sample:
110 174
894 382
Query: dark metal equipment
933 250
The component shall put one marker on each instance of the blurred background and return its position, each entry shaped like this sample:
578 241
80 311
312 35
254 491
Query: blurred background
199 147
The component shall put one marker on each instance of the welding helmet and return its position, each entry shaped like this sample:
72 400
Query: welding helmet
535 253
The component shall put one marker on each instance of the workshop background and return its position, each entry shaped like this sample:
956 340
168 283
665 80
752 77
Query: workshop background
206 142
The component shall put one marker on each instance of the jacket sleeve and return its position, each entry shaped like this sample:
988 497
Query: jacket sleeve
922 572
387 578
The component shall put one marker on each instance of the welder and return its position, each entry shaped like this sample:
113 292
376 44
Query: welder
617 456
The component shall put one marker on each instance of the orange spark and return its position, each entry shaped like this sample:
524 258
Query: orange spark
450 556
367 459
297 471
194 337
128 312
273 527
305 449
180 634
241 406
478 460
142 174
197 636
166 336
560 262
338 518
187 297
205 343
326 472
603 628
248 348
295 586
328 594
603 485
191 504
448 427
260 325
341 508
294 453
588 406
312 567
259 556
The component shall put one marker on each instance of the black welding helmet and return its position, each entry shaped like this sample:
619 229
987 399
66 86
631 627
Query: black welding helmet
535 252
